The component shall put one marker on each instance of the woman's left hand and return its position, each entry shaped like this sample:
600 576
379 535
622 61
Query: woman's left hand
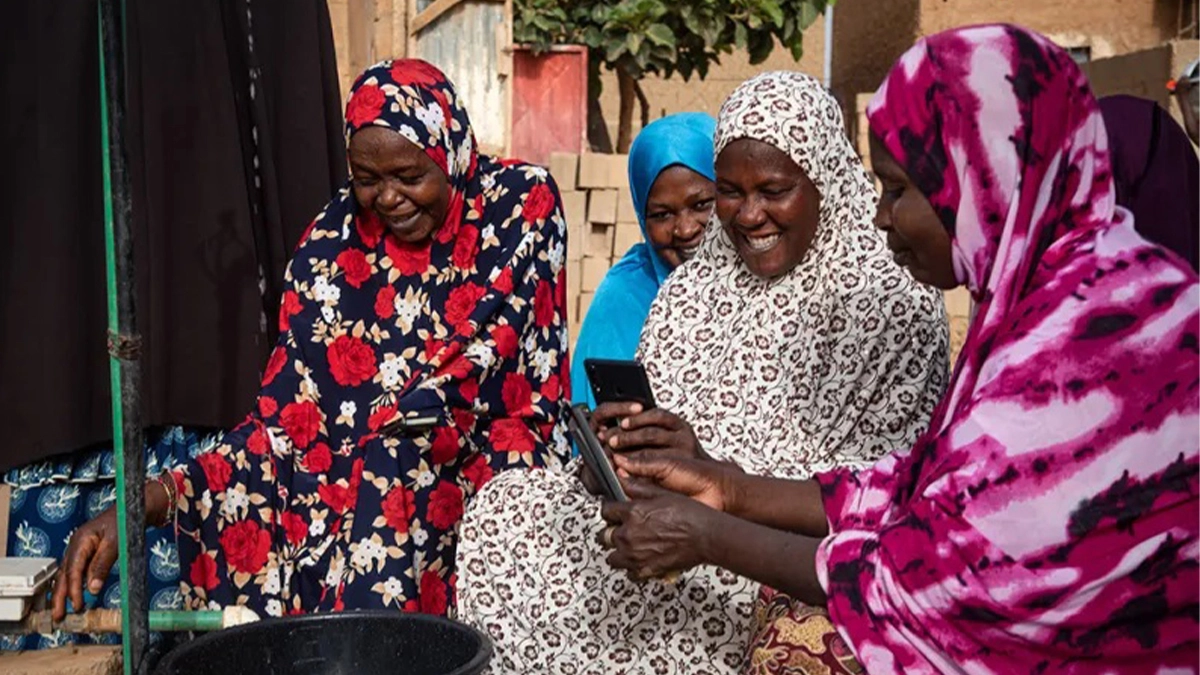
651 538
650 433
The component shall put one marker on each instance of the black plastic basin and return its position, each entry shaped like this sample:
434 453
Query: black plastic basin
347 643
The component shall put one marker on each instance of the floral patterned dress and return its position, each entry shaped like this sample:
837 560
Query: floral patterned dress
320 500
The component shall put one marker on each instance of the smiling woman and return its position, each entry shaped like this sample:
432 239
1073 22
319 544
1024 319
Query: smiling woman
396 180
671 179
767 204
677 209
788 343
421 353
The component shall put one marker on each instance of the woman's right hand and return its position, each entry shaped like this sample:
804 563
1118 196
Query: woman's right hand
92 552
626 427
713 484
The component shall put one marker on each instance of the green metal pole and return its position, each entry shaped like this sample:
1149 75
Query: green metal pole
123 341
202 621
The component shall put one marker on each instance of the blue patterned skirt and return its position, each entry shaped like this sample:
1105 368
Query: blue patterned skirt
52 497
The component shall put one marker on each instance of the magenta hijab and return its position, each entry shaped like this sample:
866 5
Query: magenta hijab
1048 519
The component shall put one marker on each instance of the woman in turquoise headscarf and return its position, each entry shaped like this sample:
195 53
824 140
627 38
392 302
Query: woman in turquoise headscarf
671 177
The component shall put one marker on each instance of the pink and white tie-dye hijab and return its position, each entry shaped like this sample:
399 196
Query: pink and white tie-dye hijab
1000 130
1048 521
998 127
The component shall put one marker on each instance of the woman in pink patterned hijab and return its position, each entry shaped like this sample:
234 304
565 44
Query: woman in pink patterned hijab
1047 522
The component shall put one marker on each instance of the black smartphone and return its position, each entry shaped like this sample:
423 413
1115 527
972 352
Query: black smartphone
619 381
414 424
593 453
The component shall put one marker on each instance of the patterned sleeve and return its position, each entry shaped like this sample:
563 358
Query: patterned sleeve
513 364
855 497
232 489
885 364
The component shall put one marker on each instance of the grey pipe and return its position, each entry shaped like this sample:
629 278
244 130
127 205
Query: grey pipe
828 72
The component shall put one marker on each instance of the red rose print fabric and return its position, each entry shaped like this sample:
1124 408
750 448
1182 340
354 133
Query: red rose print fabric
320 501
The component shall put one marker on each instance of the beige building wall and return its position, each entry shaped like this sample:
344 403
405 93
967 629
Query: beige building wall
366 32
1108 26
1144 73
869 35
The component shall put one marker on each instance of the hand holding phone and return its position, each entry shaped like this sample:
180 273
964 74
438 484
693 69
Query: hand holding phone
594 456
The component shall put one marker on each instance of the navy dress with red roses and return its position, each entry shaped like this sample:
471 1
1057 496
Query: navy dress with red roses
317 502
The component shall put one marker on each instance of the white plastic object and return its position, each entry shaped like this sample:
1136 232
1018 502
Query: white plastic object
22 577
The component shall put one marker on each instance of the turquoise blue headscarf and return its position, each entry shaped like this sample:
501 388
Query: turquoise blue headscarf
614 321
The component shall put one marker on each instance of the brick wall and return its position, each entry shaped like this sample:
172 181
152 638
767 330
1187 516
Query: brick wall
601 223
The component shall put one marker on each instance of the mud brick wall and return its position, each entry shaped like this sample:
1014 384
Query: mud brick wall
601 223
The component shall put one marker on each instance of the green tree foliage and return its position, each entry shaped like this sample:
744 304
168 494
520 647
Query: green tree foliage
664 37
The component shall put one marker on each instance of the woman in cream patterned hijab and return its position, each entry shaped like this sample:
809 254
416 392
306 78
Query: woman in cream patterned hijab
822 353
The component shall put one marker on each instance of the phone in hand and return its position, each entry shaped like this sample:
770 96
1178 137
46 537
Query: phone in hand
593 453
619 381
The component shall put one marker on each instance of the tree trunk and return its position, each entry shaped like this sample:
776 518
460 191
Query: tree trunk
643 102
627 87
599 139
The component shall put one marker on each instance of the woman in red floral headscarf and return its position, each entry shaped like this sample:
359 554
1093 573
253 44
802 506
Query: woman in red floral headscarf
423 349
